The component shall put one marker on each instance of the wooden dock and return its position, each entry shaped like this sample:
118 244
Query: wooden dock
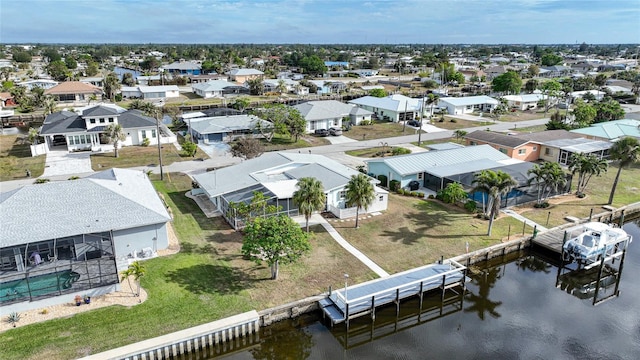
362 299
553 239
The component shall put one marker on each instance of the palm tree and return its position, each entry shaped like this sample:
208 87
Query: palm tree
111 85
93 97
586 166
554 177
459 134
137 270
113 135
33 136
359 193
49 105
495 184
626 151
309 197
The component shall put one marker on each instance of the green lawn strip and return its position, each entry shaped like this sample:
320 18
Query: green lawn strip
15 159
372 152
414 232
598 190
456 124
379 130
132 156
522 116
280 142
531 129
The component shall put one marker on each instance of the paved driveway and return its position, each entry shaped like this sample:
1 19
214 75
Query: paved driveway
62 162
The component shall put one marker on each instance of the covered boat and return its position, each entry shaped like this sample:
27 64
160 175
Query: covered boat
596 239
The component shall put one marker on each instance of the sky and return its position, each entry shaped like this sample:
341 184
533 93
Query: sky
321 21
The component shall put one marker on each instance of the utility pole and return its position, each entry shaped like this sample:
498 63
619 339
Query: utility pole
158 112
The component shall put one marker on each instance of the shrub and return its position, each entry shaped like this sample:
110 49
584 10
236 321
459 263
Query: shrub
146 142
394 185
543 205
431 196
401 191
41 181
453 120
470 206
420 194
441 120
74 178
400 151
383 180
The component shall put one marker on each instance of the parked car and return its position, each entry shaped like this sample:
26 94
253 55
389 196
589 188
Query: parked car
335 131
321 132
415 123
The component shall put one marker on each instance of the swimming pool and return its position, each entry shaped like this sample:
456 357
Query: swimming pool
22 290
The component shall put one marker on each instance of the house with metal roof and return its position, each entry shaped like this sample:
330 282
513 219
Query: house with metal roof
218 89
560 150
82 129
468 104
435 169
524 101
224 128
243 75
150 92
182 68
325 114
611 130
62 238
275 175
393 108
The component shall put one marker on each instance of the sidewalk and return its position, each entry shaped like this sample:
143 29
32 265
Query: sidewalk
318 219
517 216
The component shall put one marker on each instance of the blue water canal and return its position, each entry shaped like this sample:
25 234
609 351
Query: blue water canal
512 310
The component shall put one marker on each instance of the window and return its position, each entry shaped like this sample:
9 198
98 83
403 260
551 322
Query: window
548 151
101 120
420 176
502 150
153 133
522 151
335 122
93 121
111 120
381 198
535 148
342 194
144 134
473 143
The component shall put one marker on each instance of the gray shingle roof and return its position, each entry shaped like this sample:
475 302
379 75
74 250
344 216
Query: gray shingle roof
225 124
135 119
99 111
417 163
320 110
548 135
110 200
63 122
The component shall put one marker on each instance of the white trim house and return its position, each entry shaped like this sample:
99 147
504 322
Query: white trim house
150 92
393 108
324 114
468 104
276 175
81 234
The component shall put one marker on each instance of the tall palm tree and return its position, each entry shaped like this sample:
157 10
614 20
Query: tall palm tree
49 104
114 133
359 193
554 178
309 197
495 184
626 151
111 85
586 166
137 270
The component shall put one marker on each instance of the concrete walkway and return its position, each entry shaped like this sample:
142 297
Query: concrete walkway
318 219
62 162
517 216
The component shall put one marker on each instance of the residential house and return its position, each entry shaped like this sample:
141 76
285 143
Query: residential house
560 150
323 114
241 76
275 175
83 129
150 92
512 146
611 130
95 81
224 128
436 168
329 86
74 93
495 71
555 71
182 68
468 104
6 100
599 95
393 108
217 89
195 79
65 238
364 72
524 101
272 85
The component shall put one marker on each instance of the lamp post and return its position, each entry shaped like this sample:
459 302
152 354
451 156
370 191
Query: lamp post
346 278
158 112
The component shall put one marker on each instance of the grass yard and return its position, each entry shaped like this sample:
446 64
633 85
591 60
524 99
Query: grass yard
131 156
414 232
206 281
531 129
379 130
522 116
458 124
15 158
627 192
285 143
374 151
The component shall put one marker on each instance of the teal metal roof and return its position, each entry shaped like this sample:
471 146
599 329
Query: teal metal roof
612 129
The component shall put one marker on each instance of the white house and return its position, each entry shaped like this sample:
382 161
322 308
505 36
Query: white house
468 104
524 101
324 114
275 175
217 89
80 235
83 129
392 108
599 95
150 92
364 72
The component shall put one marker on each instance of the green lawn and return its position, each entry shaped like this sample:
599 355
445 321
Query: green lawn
15 158
379 130
280 142
598 190
456 124
132 156
374 151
